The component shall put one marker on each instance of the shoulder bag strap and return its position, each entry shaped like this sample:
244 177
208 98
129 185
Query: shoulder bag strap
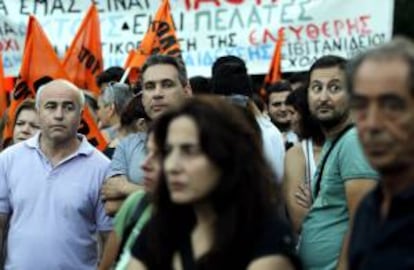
325 158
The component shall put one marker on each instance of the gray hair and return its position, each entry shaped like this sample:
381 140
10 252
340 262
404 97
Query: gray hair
399 47
81 96
118 94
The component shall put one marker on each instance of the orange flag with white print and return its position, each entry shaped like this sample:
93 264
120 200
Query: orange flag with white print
41 65
160 38
83 60
3 92
275 71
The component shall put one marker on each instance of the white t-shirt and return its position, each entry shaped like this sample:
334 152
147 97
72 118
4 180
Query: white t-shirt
274 147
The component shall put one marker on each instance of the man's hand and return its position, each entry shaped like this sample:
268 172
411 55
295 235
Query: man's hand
114 188
303 196
118 187
3 230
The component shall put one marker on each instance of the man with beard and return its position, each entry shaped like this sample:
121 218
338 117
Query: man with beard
381 84
279 112
343 175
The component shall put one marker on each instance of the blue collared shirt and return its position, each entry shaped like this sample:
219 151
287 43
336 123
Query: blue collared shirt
55 212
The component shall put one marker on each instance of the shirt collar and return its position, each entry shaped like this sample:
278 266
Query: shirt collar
406 195
85 148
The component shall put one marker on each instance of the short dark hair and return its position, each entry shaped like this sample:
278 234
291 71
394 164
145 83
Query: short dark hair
278 87
298 77
160 59
112 74
399 47
229 77
328 61
200 85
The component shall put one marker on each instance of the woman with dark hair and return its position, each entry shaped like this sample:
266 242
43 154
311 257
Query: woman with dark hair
213 207
26 122
302 158
133 214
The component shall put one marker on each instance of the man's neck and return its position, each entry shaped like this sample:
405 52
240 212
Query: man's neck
57 151
334 131
397 181
393 183
283 127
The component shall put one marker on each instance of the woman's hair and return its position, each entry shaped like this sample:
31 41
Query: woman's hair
27 104
309 127
133 111
242 199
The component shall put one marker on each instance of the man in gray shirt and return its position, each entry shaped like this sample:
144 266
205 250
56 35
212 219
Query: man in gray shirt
164 84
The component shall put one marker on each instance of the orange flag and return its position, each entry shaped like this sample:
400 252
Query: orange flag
275 71
83 60
159 39
40 65
3 92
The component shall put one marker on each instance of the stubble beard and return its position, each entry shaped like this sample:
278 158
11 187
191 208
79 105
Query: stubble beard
334 121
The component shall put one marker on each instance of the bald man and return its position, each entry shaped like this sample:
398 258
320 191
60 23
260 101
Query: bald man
50 189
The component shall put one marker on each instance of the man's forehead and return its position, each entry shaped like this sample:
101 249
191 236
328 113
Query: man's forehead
329 73
160 72
390 67
58 94
389 74
278 96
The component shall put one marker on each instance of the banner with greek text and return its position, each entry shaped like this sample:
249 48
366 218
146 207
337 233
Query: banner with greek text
208 29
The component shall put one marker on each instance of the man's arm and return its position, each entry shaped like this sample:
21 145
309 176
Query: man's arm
102 238
294 177
3 231
355 191
115 190
118 186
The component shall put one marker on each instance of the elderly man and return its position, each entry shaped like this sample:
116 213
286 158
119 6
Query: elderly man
383 106
49 189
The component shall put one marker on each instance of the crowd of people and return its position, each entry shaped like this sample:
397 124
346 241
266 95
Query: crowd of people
206 174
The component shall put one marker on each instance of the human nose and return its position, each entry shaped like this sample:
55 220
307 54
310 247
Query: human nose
26 128
324 95
58 113
373 117
172 162
147 163
158 91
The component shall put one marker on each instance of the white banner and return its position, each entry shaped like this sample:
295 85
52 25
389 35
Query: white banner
208 29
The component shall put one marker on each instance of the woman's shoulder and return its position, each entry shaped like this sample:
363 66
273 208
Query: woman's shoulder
275 239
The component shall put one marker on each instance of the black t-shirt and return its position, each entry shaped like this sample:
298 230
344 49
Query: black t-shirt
275 239
383 244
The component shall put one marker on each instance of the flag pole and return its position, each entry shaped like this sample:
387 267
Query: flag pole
125 76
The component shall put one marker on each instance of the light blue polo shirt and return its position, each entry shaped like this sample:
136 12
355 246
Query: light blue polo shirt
128 157
54 213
